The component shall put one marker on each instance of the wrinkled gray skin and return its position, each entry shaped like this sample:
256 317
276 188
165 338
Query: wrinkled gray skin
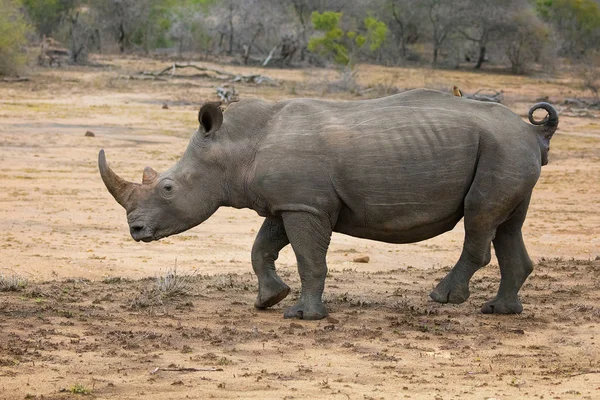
398 169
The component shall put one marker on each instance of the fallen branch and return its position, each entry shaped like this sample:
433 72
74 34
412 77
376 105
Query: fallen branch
264 64
141 77
490 95
174 67
12 80
183 369
227 94
256 78
597 371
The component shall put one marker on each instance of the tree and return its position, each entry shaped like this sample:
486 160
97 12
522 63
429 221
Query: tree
590 74
122 19
443 17
527 41
47 15
13 38
341 45
576 21
304 9
405 14
488 21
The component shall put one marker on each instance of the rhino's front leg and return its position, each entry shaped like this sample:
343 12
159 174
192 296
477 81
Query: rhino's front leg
271 238
310 236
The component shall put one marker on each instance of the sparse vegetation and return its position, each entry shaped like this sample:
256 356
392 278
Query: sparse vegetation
12 282
167 285
172 284
79 388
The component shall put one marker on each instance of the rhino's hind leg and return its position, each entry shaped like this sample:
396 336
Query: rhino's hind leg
486 207
454 288
310 236
271 238
515 264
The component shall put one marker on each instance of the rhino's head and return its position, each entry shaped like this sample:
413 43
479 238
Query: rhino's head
179 198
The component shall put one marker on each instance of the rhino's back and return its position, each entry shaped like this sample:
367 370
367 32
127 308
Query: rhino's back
390 167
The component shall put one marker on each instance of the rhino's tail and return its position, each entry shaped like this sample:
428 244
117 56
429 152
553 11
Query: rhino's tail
550 122
545 128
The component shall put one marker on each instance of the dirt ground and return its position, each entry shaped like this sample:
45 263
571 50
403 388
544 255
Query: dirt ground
90 322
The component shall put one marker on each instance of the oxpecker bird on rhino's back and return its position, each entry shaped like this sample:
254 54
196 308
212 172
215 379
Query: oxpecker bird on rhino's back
399 169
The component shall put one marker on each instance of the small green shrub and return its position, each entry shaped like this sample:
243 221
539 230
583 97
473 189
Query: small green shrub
13 38
78 388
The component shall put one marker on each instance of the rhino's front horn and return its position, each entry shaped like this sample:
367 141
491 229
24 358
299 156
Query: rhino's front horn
119 188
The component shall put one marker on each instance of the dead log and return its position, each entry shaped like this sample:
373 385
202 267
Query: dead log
17 79
266 61
490 95
174 67
255 78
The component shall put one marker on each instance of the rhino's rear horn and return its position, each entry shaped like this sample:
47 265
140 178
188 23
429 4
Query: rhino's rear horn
149 176
119 188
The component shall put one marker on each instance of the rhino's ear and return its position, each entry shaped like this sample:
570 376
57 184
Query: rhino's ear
210 118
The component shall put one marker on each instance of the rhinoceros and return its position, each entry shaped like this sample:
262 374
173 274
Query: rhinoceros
398 169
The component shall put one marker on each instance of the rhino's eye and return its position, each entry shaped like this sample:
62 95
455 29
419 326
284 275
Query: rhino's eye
167 189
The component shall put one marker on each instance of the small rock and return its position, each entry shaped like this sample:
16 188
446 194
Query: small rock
332 320
90 134
165 106
517 331
362 259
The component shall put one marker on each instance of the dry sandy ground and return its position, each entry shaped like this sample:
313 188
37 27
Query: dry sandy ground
89 315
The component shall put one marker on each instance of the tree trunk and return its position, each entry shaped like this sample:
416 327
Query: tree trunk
403 46
481 58
401 27
121 38
249 48
435 53
147 38
230 51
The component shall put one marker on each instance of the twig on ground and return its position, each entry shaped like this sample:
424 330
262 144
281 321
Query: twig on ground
596 371
141 77
184 369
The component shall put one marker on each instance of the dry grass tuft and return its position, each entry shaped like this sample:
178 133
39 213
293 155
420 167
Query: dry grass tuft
12 283
168 285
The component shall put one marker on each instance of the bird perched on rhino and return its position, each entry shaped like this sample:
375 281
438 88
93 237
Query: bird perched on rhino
456 91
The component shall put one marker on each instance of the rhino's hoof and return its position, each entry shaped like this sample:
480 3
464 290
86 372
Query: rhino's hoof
306 311
269 295
445 294
502 306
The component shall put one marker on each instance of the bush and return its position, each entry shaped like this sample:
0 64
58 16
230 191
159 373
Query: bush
528 43
590 75
13 38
